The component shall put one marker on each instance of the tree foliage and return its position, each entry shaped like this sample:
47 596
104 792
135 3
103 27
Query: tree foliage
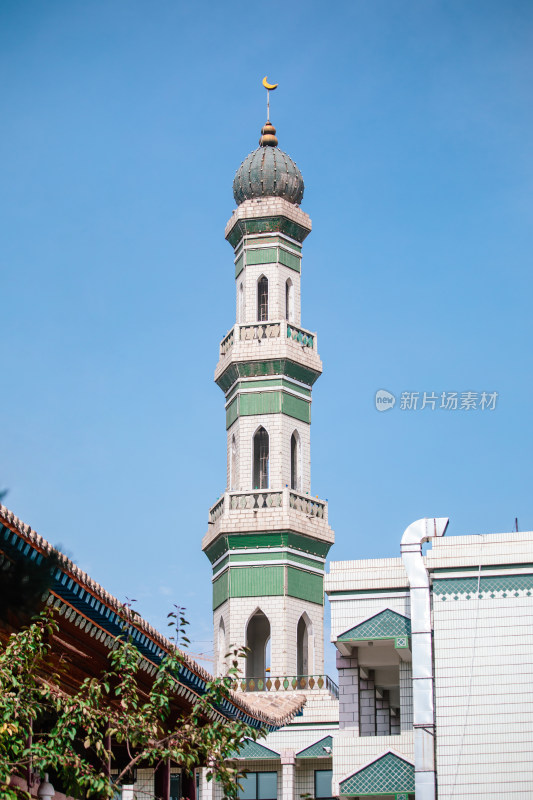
71 732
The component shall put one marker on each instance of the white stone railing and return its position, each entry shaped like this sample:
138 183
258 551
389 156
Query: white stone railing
260 498
217 510
269 498
260 330
227 343
267 330
311 506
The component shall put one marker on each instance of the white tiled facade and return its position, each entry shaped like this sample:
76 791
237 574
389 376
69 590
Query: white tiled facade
482 663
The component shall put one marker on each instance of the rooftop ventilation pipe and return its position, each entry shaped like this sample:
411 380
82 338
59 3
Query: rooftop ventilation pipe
423 707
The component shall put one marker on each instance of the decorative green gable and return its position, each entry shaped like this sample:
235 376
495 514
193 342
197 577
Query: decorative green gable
317 750
254 750
389 774
385 625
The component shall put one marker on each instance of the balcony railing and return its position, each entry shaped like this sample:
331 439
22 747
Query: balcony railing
260 330
269 498
227 343
289 683
267 330
311 506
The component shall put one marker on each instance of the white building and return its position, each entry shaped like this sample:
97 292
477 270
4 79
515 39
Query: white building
435 668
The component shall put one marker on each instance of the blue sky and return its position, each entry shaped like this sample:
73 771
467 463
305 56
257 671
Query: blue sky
122 126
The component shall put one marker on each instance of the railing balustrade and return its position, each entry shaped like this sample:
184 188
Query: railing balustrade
268 498
266 330
258 499
288 683
260 330
217 510
227 343
299 335
311 506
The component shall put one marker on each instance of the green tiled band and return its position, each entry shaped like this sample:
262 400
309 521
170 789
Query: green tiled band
489 587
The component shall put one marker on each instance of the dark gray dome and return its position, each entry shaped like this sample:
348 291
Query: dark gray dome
268 172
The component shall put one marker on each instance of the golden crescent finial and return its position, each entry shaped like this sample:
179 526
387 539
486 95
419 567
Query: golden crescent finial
268 85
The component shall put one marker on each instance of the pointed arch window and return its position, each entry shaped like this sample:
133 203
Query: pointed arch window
296 459
262 299
261 458
221 648
233 464
258 640
302 645
241 304
289 301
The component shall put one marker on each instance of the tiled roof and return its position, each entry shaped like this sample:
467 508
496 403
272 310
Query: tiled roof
388 774
385 625
71 580
254 750
318 749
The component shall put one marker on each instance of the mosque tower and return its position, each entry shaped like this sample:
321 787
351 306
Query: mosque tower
268 536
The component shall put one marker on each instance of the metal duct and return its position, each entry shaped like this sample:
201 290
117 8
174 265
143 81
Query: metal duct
423 706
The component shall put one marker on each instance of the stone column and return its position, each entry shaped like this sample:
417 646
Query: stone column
288 762
206 787
348 691
367 703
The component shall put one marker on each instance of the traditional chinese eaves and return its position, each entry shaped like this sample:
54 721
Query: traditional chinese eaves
90 621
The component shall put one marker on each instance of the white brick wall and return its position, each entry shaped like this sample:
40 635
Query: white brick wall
280 429
283 614
484 697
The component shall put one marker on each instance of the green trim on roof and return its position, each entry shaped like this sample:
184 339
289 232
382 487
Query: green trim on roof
387 775
279 224
255 369
385 625
316 750
240 541
253 750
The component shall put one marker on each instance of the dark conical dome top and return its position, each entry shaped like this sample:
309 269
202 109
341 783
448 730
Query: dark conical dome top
268 172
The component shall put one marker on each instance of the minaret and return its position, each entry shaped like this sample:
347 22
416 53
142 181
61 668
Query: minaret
268 537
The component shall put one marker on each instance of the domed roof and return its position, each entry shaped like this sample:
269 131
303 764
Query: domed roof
268 172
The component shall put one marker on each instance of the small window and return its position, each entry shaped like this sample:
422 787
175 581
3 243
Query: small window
241 304
260 459
323 783
175 786
295 462
259 786
262 299
289 301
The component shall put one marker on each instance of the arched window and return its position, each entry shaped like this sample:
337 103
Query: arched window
241 304
262 299
221 648
260 475
257 640
296 459
289 301
302 645
233 464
